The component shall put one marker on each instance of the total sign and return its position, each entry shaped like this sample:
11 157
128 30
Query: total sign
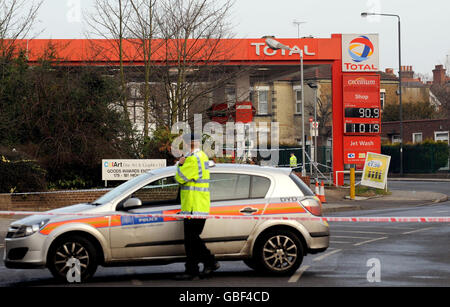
360 52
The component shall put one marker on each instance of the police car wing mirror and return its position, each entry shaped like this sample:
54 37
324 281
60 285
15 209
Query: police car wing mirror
132 203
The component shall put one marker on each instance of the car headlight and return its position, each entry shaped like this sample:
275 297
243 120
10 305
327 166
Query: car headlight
25 230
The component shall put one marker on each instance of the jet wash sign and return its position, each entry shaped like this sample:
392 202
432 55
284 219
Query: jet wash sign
360 53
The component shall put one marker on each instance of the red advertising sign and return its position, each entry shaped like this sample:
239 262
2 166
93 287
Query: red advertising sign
362 106
356 148
244 112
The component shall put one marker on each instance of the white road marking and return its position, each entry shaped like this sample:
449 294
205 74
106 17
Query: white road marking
369 241
326 255
298 274
417 230
357 231
339 242
349 237
363 226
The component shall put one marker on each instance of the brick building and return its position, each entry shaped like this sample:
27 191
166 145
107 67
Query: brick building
415 90
415 131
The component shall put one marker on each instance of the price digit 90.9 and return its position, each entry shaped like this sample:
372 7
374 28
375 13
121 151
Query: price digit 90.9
362 112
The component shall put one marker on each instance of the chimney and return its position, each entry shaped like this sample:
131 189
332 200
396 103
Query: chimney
439 74
390 71
407 72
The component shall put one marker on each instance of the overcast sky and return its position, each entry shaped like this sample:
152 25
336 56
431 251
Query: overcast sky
425 24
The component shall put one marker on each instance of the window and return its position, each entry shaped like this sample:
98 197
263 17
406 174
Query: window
441 136
158 192
417 137
263 102
260 187
237 186
229 186
382 98
396 138
230 95
298 102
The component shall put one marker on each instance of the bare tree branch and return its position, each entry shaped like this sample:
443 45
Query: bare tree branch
17 19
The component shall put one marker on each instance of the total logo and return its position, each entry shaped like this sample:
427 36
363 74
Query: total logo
361 49
360 53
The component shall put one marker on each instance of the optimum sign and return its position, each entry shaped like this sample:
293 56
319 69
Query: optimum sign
360 53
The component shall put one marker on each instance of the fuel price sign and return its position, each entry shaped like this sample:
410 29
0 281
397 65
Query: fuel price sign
362 107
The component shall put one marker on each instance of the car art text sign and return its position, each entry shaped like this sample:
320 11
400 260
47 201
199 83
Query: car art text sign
115 169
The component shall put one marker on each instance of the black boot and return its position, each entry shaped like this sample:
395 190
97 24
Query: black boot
209 269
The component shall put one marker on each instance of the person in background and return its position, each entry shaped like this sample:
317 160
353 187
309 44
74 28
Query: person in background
293 161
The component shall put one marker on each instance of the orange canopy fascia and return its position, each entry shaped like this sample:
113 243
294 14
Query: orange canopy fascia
169 52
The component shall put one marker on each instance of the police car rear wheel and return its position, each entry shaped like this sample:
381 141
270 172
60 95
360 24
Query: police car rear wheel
279 252
73 253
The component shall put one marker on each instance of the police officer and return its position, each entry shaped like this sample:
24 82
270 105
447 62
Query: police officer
193 177
293 161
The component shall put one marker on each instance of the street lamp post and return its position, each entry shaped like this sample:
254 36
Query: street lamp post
365 14
275 45
315 87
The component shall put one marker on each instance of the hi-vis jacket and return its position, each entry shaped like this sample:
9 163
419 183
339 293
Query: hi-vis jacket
193 176
293 161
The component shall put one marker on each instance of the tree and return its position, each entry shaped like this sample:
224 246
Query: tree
17 18
62 117
109 21
324 115
192 32
411 111
143 27
442 93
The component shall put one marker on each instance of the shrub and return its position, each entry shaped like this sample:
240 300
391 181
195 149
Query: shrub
20 175
425 157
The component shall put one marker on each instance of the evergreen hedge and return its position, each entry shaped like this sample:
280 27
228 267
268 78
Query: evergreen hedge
424 157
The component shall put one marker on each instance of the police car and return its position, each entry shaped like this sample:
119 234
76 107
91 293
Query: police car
136 223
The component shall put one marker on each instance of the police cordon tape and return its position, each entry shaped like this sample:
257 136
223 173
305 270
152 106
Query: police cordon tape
434 219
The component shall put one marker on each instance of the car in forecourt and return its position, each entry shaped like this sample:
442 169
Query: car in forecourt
118 230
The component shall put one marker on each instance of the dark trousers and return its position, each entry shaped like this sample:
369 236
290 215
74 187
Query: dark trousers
196 250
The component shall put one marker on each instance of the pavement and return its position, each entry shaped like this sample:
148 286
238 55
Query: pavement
338 200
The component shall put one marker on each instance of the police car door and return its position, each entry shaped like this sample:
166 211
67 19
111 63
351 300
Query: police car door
234 195
143 236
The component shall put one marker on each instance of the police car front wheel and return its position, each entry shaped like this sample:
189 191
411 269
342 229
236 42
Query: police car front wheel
72 259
